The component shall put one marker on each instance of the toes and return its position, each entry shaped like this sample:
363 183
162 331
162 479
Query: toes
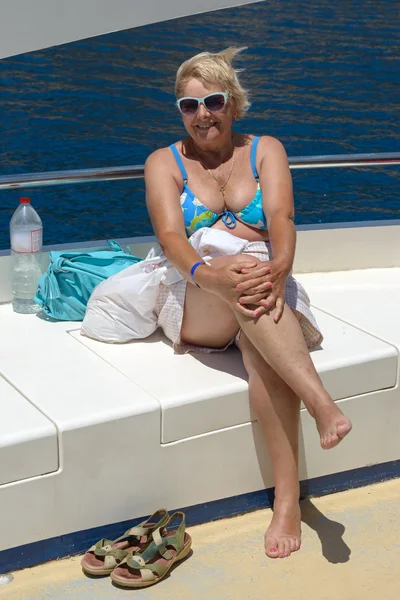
281 549
288 549
330 441
271 547
332 438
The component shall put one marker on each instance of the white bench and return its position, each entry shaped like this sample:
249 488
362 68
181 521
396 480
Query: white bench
28 440
201 393
139 427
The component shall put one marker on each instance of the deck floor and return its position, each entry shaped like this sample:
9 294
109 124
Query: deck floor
351 551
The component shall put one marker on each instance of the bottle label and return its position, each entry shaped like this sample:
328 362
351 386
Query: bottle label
36 240
27 242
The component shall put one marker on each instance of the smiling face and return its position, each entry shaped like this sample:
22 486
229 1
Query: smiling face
207 129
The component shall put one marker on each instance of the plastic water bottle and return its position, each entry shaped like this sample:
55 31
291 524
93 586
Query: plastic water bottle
26 235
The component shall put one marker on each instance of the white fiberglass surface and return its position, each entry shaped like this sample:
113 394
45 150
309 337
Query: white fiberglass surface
154 366
109 404
203 393
368 299
77 381
45 23
28 440
69 384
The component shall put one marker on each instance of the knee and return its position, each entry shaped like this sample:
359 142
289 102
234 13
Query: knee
247 258
221 261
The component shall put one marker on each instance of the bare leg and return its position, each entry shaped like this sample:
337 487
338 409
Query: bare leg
280 371
208 321
283 347
277 409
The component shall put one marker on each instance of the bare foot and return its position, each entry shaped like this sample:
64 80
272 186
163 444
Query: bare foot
332 425
283 536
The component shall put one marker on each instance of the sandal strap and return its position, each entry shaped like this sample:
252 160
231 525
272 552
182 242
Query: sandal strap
147 570
114 558
108 551
150 571
162 545
100 545
145 528
161 540
137 531
178 539
136 562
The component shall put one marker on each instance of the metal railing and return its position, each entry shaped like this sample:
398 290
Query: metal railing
26 180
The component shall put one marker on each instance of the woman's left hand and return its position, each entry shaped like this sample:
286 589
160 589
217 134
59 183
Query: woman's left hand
273 299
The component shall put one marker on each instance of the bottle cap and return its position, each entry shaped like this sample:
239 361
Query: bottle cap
25 201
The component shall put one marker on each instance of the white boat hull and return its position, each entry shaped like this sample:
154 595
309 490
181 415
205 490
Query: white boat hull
100 434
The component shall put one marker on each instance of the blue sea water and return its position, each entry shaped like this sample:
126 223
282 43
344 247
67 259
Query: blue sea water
323 78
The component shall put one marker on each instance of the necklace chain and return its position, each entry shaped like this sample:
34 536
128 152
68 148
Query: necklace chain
221 187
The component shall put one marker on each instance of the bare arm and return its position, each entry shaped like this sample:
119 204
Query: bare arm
277 188
276 185
163 205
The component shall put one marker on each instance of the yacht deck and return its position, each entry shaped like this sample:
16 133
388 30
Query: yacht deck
350 551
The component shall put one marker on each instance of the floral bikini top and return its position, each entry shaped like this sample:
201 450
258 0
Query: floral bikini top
196 215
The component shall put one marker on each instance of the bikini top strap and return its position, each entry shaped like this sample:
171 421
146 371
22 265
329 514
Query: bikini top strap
179 161
253 155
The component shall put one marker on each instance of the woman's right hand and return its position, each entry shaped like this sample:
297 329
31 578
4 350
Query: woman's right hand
222 280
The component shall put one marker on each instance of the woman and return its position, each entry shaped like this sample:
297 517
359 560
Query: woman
241 185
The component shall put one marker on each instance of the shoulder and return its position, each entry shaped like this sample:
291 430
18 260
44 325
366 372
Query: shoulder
158 158
268 144
162 162
271 152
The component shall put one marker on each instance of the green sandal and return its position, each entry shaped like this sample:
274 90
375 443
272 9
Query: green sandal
105 555
151 565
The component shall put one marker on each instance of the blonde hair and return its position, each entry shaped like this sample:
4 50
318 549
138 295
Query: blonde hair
215 68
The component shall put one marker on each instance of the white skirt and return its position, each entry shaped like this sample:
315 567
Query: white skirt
210 243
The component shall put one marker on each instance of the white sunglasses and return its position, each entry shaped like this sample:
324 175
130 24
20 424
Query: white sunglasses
213 102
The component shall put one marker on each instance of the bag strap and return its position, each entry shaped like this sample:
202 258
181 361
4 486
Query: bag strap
115 246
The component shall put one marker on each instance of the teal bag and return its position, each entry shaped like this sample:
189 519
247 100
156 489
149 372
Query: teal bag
64 289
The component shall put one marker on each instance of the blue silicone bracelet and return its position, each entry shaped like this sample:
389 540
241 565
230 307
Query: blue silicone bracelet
193 269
